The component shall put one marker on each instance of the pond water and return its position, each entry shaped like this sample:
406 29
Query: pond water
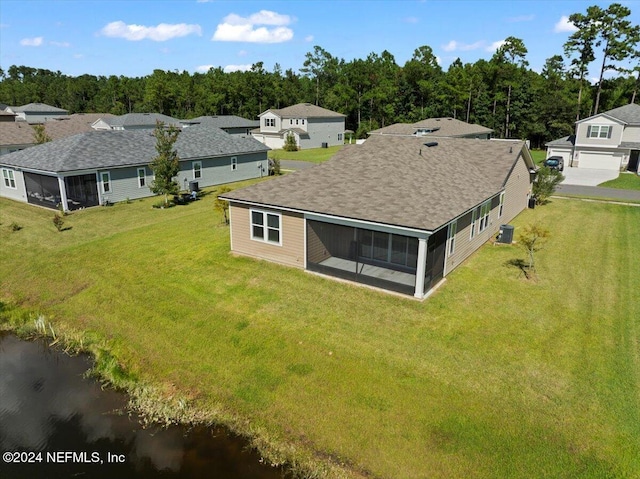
56 423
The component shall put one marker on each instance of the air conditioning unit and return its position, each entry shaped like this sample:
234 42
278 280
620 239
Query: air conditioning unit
506 234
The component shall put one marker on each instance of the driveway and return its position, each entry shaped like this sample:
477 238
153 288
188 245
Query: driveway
587 176
295 164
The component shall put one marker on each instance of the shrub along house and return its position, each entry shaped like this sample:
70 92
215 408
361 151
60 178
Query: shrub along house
97 167
395 212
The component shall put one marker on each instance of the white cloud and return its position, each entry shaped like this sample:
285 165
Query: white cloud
308 38
243 53
495 45
453 46
438 60
235 28
32 42
411 20
160 33
564 25
205 68
78 56
237 68
60 44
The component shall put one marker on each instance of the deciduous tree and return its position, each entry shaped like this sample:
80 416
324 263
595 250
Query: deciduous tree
166 165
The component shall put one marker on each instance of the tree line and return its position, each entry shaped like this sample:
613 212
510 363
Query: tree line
501 93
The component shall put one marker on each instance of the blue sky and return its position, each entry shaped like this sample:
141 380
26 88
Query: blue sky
132 38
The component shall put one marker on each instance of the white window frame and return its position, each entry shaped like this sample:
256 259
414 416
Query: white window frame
265 226
340 137
599 131
474 220
108 188
142 179
501 207
270 122
451 237
485 212
234 163
9 178
198 171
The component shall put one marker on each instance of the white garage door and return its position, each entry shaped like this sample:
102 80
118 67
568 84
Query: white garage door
601 161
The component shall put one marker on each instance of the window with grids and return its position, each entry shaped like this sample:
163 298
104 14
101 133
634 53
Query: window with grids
453 229
105 180
599 131
9 180
266 226
197 170
142 177
485 209
269 122
474 220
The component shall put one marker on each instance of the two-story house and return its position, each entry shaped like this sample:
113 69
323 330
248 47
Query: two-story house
607 141
311 126
35 113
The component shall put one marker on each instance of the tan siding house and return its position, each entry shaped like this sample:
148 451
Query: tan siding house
395 213
291 250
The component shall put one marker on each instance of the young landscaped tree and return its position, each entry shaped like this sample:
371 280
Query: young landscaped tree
532 239
166 165
222 205
545 184
290 143
40 135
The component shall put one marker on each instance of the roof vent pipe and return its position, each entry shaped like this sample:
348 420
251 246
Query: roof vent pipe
431 144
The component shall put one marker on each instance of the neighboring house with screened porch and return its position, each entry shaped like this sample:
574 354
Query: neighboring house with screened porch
395 212
99 167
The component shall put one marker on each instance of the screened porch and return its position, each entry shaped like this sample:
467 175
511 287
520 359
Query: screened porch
376 258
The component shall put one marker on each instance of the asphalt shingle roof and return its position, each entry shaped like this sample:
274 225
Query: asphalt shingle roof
21 133
628 113
449 127
566 141
395 180
225 121
38 108
141 119
305 110
112 149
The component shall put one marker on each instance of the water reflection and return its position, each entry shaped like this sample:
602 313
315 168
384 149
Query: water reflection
48 407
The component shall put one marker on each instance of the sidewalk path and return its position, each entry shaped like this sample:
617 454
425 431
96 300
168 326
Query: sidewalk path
598 192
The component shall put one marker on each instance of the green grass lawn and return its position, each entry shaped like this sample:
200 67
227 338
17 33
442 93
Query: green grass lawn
315 155
626 181
539 156
493 376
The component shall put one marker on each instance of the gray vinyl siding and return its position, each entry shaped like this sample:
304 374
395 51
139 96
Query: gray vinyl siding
631 134
516 197
215 171
124 184
323 130
19 193
616 133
